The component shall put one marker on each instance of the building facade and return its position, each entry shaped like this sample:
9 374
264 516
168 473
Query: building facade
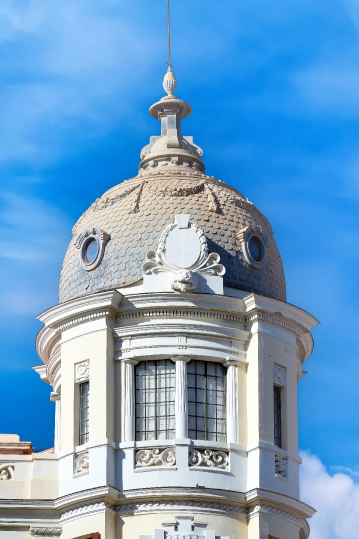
174 360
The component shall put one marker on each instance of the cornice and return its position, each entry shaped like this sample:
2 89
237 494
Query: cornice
180 328
261 316
72 313
193 313
52 317
299 317
183 301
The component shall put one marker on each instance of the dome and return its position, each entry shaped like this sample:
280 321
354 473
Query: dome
127 221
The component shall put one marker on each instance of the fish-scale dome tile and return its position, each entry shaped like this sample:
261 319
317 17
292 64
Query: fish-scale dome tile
135 212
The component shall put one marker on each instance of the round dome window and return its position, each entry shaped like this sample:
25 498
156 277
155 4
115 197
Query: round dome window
90 251
256 248
91 243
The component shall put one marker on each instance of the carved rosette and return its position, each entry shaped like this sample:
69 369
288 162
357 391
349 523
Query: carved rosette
6 472
209 457
281 465
82 463
155 457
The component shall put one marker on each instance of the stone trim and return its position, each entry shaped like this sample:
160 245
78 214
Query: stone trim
199 313
85 511
45 532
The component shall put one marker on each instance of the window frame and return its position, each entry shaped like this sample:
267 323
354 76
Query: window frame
84 412
278 415
144 434
194 433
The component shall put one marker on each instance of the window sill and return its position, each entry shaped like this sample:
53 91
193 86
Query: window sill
155 469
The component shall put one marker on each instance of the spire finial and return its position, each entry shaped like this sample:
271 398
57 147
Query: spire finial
169 82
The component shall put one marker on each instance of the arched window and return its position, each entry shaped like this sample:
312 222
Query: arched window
155 400
206 401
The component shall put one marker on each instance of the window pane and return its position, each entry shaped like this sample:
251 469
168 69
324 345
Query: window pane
155 388
84 392
206 400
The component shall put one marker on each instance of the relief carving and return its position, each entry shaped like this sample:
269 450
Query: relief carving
209 457
6 472
279 375
83 371
82 463
155 457
281 464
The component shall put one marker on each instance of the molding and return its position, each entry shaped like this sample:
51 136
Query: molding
72 313
85 511
192 312
260 510
263 317
45 532
199 507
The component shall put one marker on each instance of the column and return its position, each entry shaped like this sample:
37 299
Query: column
56 398
232 401
130 431
181 396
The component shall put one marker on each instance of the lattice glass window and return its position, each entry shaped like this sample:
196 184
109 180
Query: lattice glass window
84 390
155 400
206 401
278 416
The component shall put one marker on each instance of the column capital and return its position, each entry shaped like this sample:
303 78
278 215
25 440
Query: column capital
130 361
54 396
232 362
181 358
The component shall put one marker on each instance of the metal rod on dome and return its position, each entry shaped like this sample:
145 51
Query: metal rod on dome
169 33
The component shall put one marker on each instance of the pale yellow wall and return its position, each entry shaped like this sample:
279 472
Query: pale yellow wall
242 403
133 526
274 351
252 392
104 523
98 348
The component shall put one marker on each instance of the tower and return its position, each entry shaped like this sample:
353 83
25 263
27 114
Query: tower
174 360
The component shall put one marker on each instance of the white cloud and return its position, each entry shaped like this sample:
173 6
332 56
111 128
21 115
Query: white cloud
335 497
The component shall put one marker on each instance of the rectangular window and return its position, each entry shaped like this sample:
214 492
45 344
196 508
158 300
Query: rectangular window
278 416
206 401
84 390
155 400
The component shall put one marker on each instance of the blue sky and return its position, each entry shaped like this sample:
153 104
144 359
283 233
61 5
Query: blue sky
274 87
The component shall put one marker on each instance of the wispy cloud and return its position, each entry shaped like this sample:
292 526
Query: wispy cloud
335 497
61 66
33 240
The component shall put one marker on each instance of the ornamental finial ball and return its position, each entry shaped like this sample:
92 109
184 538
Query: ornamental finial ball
169 82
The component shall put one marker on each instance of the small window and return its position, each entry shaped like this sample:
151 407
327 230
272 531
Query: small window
206 401
84 390
155 400
278 416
